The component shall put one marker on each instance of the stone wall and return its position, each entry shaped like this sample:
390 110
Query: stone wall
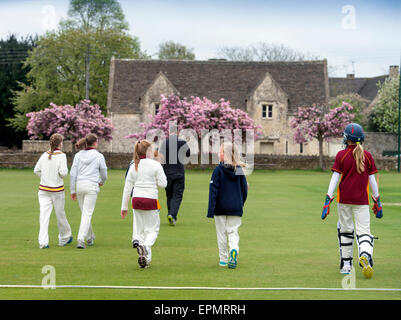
377 142
273 162
40 146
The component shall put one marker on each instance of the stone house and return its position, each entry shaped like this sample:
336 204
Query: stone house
269 91
366 88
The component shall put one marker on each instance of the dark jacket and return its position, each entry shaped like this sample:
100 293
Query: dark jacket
172 149
228 191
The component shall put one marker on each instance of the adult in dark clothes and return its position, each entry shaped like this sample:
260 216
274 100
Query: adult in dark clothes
174 151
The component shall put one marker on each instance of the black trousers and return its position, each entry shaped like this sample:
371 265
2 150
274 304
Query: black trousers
174 192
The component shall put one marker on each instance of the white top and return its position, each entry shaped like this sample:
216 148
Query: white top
88 166
52 172
145 181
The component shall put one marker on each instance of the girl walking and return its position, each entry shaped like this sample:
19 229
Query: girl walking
88 173
142 181
357 170
52 169
227 195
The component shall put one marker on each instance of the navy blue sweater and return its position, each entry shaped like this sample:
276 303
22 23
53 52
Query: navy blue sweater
228 191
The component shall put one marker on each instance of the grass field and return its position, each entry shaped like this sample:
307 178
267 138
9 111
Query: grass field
284 243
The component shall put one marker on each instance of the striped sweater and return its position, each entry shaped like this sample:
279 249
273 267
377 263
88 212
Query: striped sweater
52 172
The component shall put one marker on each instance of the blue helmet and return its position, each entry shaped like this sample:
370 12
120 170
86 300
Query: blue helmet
354 133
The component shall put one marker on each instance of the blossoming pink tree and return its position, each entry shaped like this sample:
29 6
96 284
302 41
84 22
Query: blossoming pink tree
72 122
315 123
196 114
203 123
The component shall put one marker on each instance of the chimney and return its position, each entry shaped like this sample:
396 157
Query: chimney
394 71
350 76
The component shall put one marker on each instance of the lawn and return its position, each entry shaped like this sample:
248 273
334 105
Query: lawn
284 243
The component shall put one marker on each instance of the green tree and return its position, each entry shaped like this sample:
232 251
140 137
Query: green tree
13 52
175 51
58 63
384 115
95 15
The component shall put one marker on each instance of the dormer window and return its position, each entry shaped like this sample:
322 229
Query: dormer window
267 111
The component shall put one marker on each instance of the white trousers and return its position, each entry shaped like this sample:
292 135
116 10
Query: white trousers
227 235
48 201
361 214
146 229
87 196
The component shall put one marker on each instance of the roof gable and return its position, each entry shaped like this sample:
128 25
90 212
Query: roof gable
365 87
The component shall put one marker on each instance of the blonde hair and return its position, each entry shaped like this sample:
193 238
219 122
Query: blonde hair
359 156
140 149
55 141
231 155
86 142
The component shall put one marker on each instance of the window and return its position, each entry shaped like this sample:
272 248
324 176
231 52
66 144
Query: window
267 111
286 147
267 147
157 108
301 148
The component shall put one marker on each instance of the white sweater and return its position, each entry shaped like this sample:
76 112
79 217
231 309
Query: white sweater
88 166
145 181
52 172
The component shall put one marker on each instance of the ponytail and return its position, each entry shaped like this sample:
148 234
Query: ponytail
81 144
86 142
359 156
55 141
140 150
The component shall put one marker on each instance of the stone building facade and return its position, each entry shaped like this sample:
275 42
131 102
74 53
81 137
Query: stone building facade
269 91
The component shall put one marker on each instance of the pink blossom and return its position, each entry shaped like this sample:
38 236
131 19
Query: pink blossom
72 122
198 114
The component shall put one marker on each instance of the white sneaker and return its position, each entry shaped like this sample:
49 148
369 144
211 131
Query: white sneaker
346 269
90 242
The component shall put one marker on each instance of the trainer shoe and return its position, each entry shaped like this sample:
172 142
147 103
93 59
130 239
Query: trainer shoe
223 264
232 264
44 246
367 269
142 256
81 244
63 244
171 220
135 244
90 242
346 269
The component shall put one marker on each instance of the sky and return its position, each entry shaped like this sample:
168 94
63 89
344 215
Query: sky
361 37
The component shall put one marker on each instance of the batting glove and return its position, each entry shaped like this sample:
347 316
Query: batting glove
377 207
326 207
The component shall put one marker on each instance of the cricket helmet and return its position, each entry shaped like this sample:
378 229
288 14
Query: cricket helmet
354 133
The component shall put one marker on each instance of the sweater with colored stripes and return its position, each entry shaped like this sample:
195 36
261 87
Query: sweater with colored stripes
145 181
52 171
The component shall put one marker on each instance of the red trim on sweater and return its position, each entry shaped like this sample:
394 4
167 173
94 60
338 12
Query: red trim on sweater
145 204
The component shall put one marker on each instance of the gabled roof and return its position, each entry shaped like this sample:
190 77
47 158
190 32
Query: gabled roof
366 87
305 83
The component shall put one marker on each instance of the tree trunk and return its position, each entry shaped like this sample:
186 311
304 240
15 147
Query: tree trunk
321 164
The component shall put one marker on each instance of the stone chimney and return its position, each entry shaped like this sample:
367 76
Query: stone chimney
394 71
350 76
